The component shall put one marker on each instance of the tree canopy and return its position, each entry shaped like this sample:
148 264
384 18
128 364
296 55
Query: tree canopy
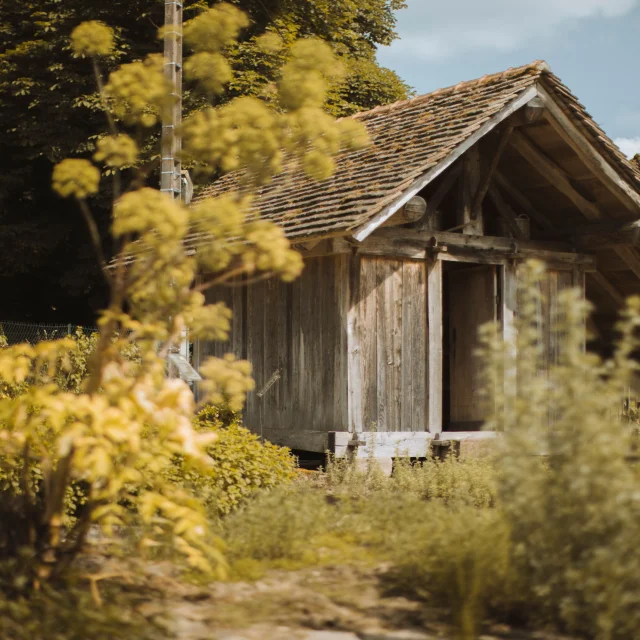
50 110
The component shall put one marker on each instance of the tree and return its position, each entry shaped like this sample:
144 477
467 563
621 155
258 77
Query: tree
51 110
116 441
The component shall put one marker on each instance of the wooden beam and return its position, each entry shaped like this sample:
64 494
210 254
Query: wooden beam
496 155
465 248
587 152
371 225
630 258
468 220
567 261
559 179
440 193
506 212
554 174
607 287
474 242
436 336
523 202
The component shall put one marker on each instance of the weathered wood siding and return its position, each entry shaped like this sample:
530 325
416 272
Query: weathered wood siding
391 310
298 332
553 283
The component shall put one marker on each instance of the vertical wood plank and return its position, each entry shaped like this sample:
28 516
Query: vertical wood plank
383 350
414 340
368 341
434 319
407 372
509 301
393 285
354 349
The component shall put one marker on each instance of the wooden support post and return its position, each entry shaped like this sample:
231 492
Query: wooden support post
434 319
468 219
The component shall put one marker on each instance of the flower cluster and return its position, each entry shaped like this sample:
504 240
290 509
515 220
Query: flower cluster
305 77
148 210
244 134
138 92
211 71
92 39
227 381
269 250
215 28
116 151
75 177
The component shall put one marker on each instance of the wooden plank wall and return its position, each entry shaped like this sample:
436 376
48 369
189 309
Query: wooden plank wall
553 283
298 332
392 310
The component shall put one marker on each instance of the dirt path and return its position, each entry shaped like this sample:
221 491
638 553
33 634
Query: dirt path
324 603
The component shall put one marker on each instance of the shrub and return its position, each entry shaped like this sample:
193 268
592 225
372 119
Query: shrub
468 480
277 525
241 463
459 560
72 615
575 521
120 430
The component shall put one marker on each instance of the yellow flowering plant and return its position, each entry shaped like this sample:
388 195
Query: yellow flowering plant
118 434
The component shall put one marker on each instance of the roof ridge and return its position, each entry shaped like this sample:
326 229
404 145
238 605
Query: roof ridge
539 66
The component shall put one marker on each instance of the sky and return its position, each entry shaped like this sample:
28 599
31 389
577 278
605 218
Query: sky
592 45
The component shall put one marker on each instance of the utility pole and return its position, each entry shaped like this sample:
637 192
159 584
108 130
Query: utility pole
171 171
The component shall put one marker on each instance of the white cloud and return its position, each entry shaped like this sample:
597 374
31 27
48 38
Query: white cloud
628 146
432 29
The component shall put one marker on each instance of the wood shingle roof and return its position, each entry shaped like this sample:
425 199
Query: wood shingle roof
409 139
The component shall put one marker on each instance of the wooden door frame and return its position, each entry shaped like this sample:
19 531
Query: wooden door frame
507 286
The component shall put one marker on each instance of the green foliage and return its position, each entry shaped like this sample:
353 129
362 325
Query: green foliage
470 480
575 520
240 465
277 526
51 110
116 432
72 615
459 560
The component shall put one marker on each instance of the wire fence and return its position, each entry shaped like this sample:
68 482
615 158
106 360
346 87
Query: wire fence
34 332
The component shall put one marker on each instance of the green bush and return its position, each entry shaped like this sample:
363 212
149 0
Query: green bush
277 525
574 519
469 480
459 560
240 463
72 614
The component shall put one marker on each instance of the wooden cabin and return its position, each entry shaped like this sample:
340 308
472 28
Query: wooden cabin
414 244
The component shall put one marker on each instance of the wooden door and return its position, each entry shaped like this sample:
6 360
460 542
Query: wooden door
472 301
